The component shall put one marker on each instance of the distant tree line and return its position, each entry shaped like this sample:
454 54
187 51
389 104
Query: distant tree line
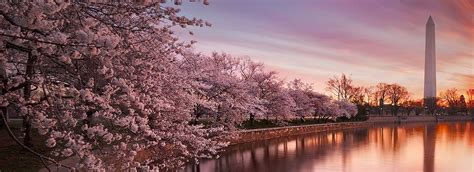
394 99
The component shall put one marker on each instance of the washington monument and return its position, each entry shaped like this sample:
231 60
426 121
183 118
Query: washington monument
430 65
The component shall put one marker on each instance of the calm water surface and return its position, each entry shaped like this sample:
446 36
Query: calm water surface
399 148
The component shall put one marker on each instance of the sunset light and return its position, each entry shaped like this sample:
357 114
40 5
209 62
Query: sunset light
237 85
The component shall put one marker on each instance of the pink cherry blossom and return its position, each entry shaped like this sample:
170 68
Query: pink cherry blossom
112 81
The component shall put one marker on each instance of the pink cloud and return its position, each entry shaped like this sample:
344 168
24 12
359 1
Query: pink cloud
368 38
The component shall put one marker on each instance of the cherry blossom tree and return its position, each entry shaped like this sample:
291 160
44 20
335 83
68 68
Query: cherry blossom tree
103 82
327 108
273 101
319 103
330 110
111 84
224 95
299 92
279 103
259 84
345 109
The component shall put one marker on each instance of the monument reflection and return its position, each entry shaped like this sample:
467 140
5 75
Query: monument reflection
406 147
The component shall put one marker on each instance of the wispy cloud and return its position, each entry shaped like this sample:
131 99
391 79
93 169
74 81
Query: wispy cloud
374 40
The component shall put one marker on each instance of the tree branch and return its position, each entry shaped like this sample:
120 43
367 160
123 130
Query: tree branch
48 42
12 21
41 156
5 91
17 47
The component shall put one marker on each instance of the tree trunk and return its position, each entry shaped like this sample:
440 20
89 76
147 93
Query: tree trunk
252 119
27 131
27 95
5 112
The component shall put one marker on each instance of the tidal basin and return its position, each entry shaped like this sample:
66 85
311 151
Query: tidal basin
445 146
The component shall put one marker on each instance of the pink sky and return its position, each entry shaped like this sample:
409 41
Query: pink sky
371 40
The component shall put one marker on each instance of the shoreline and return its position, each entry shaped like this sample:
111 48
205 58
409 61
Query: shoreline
254 135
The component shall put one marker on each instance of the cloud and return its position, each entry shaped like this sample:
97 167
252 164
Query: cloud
367 38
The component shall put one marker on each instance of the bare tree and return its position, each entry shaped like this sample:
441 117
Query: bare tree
396 94
380 95
470 99
369 95
357 95
451 98
381 92
340 87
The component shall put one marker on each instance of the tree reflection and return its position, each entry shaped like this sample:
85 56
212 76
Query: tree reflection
385 148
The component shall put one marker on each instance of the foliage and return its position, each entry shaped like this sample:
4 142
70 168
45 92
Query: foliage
102 81
111 84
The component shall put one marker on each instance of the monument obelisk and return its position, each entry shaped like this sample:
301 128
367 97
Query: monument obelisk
430 66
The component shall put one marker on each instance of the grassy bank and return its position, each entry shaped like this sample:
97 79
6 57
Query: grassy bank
264 123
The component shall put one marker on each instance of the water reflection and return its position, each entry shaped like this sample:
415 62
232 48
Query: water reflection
407 147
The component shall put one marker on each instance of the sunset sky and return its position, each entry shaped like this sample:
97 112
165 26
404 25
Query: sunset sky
371 40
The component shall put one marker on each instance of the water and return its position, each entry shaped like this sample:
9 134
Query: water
399 148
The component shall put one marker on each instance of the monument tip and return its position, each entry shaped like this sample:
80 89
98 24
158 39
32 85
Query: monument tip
430 20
